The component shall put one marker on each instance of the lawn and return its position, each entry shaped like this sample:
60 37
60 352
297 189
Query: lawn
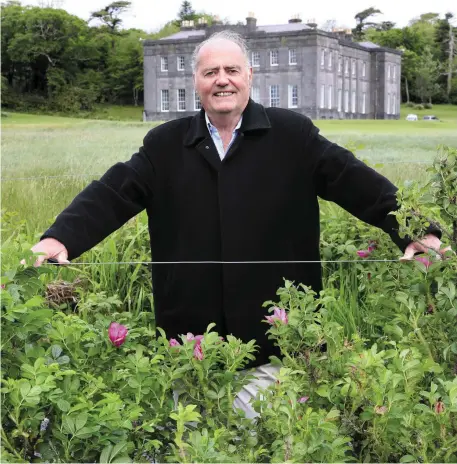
72 151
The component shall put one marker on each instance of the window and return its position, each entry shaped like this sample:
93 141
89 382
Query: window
364 69
165 100
181 63
353 102
340 64
322 105
353 67
255 59
197 102
255 94
364 102
323 58
293 96
274 58
181 99
388 71
393 104
164 63
274 96
340 99
346 66
395 72
388 103
329 97
330 63
346 101
293 56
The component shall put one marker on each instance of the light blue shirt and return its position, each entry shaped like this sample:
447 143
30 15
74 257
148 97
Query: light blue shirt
217 138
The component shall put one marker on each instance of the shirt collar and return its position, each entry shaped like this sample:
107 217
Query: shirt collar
212 128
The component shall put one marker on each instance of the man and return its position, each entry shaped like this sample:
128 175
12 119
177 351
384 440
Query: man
236 183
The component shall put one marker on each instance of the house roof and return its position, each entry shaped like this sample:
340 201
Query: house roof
368 45
185 35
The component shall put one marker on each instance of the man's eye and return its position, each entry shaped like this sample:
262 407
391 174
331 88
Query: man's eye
233 71
210 73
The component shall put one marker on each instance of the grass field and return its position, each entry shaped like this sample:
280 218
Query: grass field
82 149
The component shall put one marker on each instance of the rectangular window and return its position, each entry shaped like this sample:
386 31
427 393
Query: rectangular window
364 69
346 101
274 96
164 63
323 58
181 63
340 99
340 64
165 100
255 94
353 102
293 96
388 103
329 97
395 72
181 99
322 105
255 59
292 56
393 110
353 67
197 102
346 66
330 60
364 102
388 71
274 58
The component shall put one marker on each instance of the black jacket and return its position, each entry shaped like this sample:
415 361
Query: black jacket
258 204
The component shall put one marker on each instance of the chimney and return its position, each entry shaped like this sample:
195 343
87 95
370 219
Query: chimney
187 25
348 35
202 23
251 22
312 23
295 19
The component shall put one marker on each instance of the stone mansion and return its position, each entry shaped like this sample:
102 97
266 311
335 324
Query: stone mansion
324 75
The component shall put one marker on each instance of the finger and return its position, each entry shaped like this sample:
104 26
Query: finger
62 258
409 253
39 261
443 251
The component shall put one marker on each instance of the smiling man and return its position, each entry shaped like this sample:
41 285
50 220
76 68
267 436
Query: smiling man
235 184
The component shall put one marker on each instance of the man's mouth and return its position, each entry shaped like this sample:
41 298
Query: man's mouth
223 94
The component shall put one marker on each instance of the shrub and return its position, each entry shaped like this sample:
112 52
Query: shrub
419 107
409 104
428 106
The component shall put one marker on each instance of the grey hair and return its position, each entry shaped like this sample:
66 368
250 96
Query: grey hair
232 36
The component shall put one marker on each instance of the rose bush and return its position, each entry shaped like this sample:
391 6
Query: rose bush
368 366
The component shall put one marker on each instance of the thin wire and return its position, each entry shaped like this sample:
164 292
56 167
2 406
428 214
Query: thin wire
236 262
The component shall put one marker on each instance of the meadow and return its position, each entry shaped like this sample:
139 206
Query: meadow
65 154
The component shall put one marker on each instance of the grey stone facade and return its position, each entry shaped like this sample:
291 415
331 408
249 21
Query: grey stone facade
321 74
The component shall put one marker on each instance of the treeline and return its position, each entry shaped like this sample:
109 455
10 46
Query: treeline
54 61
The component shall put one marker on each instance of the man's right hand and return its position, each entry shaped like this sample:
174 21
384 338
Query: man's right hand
52 249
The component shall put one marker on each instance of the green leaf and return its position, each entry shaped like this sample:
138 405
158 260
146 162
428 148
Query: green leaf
408 458
106 453
56 351
122 460
333 414
81 420
63 405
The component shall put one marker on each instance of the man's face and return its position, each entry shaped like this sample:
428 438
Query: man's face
222 78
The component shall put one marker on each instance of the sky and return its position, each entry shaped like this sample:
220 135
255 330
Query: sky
150 15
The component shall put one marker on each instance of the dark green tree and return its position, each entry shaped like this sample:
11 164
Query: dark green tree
362 22
110 15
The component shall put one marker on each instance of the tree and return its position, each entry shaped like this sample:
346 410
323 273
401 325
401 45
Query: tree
186 12
362 23
426 75
445 36
109 15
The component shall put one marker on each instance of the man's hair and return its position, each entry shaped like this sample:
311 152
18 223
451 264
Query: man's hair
222 35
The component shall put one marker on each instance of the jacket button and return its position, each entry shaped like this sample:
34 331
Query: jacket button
207 147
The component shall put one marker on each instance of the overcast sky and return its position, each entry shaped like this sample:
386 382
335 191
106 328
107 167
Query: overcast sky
150 15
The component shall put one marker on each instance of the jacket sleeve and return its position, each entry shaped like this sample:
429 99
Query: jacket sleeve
105 205
341 178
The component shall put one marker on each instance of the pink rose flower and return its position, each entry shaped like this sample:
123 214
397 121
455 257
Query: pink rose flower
190 336
278 315
303 399
174 342
425 261
364 253
117 333
198 351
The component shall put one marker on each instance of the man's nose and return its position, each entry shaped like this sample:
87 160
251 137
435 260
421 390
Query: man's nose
222 79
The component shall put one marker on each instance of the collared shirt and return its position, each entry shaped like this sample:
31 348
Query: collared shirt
217 138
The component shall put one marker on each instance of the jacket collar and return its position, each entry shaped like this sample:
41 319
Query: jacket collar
254 118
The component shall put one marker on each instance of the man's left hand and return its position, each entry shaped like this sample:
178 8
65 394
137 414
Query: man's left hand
427 243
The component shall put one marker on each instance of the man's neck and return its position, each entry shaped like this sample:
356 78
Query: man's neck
224 122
